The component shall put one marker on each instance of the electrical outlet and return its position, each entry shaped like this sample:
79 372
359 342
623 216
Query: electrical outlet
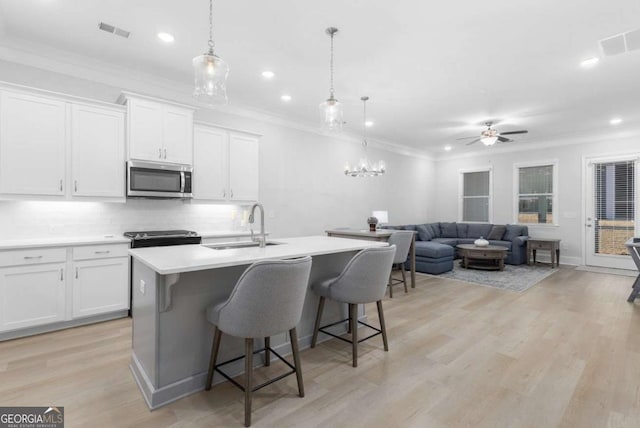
143 286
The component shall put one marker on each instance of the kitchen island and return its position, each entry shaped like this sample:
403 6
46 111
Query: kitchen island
172 287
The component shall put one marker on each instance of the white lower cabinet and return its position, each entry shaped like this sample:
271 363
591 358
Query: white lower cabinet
32 295
40 286
99 286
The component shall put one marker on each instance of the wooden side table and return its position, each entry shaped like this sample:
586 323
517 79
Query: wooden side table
551 245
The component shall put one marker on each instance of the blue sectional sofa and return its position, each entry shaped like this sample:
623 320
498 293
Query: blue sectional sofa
436 242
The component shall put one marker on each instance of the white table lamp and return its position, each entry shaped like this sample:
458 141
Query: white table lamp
382 216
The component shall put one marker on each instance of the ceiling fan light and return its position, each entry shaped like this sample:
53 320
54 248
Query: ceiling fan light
489 140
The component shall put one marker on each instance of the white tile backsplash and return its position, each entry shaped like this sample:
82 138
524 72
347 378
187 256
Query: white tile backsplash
45 219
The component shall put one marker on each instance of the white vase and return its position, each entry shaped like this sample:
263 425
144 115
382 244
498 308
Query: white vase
481 242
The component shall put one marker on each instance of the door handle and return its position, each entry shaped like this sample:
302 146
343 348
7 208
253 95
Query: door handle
61 274
182 181
76 273
75 185
232 193
165 153
224 193
61 185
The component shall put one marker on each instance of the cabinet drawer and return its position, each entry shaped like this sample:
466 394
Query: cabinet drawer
32 256
89 252
541 245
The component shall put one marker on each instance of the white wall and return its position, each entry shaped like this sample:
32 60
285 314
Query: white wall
571 202
301 182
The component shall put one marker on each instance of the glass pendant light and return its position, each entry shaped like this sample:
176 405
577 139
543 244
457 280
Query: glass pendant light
211 72
331 109
364 168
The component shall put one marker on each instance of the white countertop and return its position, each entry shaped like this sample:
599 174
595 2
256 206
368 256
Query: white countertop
16 244
188 258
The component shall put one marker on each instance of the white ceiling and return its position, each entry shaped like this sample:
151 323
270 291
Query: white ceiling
431 69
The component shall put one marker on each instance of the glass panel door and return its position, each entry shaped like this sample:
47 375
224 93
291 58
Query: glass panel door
612 215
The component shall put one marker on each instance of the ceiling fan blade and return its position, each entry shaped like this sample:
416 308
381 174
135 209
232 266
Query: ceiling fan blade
473 142
466 138
523 131
502 139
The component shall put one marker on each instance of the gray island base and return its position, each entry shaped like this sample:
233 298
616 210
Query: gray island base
172 287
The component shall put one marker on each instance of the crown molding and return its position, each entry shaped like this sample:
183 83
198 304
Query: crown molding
557 140
145 84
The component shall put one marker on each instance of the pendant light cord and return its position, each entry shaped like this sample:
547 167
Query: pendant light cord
364 123
211 44
331 69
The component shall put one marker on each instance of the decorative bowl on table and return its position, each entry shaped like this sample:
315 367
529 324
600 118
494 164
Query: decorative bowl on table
481 242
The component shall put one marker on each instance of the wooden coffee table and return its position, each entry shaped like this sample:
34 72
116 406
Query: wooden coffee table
485 258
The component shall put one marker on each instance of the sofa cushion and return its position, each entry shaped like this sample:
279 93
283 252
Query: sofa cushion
477 230
435 229
501 243
448 230
425 233
465 240
513 230
446 241
497 232
461 229
433 250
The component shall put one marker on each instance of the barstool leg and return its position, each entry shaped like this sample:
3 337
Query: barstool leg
353 318
248 383
296 360
316 328
391 283
382 325
217 334
267 352
404 277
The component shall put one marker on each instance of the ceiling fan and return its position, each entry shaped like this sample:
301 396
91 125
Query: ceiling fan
490 136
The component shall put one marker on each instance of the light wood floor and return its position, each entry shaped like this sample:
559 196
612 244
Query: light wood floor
565 353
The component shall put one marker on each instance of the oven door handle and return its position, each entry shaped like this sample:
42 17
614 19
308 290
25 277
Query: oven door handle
182 181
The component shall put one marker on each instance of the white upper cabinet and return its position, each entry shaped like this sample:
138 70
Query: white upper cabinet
32 145
225 165
243 167
159 131
98 152
210 164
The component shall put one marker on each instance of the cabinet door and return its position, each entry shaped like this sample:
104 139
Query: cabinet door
97 147
32 145
31 295
243 167
100 286
210 160
145 129
178 135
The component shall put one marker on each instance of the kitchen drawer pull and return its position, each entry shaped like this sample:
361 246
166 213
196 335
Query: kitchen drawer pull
103 252
32 257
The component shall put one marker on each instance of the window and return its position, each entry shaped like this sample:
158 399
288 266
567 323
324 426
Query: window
537 196
475 195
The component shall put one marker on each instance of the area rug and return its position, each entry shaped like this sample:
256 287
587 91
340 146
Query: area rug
516 278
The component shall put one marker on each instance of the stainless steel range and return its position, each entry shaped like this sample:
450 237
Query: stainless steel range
162 238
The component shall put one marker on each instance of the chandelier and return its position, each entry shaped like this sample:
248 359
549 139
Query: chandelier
211 72
331 109
364 168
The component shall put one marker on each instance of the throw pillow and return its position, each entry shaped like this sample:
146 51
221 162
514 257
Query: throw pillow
497 232
448 230
513 231
424 232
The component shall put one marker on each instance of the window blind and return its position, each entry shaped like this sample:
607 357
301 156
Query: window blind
475 196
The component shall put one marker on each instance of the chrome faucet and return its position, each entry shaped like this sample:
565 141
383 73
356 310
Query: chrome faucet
262 239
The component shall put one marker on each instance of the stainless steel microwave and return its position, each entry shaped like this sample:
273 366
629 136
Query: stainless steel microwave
158 180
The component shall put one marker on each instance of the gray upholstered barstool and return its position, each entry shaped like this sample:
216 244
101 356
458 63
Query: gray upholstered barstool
266 300
402 240
363 280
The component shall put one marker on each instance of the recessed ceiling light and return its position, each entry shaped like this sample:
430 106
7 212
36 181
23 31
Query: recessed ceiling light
447 148
166 37
268 74
286 98
589 62
615 121
368 123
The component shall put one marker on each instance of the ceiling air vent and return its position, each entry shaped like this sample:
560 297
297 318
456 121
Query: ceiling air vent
621 43
114 30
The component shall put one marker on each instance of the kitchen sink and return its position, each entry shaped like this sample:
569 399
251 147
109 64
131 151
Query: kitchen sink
235 245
